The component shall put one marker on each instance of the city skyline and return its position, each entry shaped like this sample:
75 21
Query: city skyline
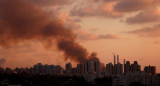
58 32
117 74
97 67
116 59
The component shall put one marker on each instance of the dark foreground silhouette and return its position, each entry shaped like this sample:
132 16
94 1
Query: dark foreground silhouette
49 80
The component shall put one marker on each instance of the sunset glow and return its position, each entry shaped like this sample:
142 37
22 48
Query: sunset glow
61 31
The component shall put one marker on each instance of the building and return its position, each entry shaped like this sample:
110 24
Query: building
135 66
96 66
127 67
81 69
89 67
68 68
157 79
151 70
109 69
37 68
74 71
59 70
127 79
151 80
103 69
117 68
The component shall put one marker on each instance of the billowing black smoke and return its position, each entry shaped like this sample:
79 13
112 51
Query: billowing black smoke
22 20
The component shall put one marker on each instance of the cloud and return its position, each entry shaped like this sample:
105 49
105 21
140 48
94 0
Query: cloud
93 29
135 5
108 36
82 35
111 8
77 20
96 8
68 21
147 16
147 31
108 0
52 2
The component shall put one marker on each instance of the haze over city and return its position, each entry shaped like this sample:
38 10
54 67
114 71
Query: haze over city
62 31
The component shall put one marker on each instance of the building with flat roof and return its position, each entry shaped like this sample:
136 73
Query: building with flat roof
109 69
96 66
135 66
151 70
89 67
127 67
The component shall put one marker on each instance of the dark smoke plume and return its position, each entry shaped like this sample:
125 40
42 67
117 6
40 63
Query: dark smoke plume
93 56
22 20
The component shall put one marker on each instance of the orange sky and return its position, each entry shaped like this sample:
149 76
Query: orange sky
129 28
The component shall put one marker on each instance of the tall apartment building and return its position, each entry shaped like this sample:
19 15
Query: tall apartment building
89 67
68 68
150 70
96 66
117 68
80 69
109 69
127 67
135 66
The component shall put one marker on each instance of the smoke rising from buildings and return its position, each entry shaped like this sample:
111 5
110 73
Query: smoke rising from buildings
93 56
22 20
